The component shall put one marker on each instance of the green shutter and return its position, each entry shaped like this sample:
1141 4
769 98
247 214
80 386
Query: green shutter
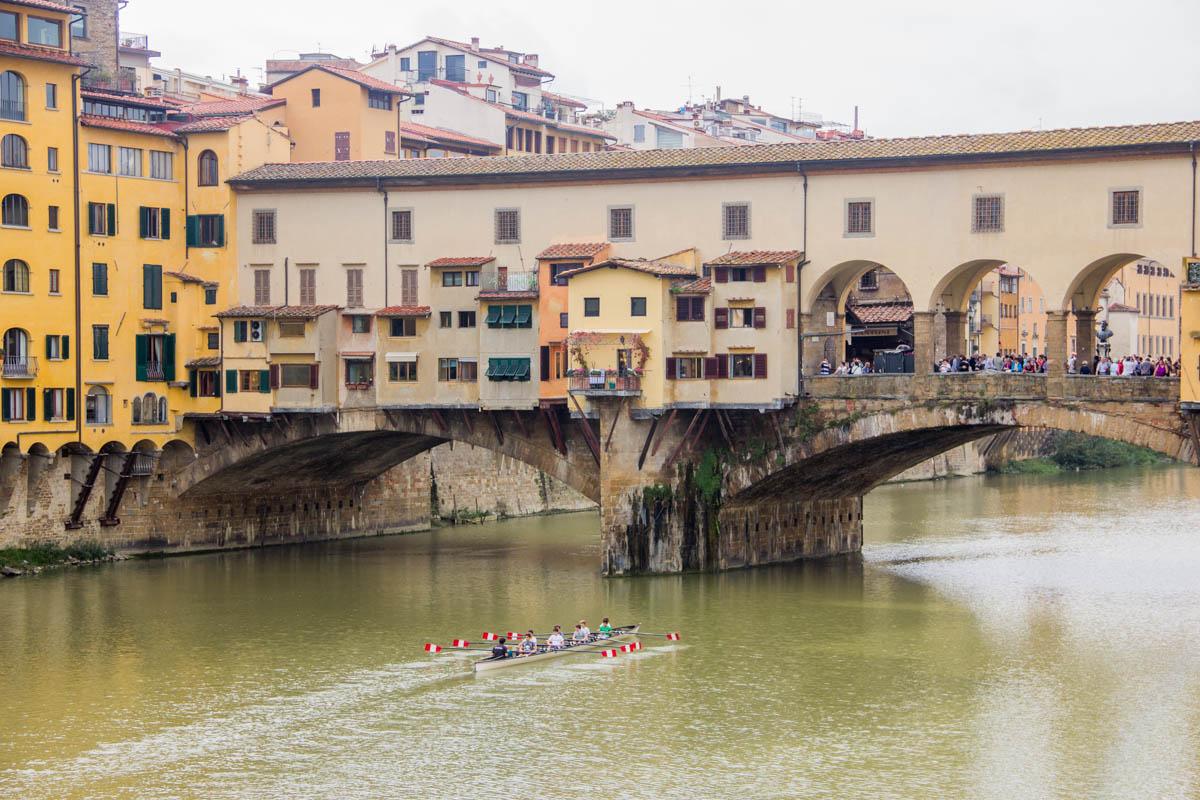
169 356
47 408
92 217
30 404
164 223
239 331
66 347
71 404
221 230
507 315
231 381
143 221
264 381
217 383
522 369
493 317
193 230
48 338
111 229
142 354
524 315
4 398
192 382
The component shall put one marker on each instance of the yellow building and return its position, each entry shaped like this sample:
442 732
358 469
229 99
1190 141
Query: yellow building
41 331
1189 350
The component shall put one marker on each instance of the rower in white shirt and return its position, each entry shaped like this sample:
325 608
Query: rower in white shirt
555 640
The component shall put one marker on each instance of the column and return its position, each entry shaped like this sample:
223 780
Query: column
923 342
1056 342
956 334
1085 336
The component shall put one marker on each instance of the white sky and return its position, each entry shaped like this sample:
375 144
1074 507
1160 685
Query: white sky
913 67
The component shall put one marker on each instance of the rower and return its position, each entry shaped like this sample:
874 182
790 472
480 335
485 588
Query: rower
579 636
555 642
529 644
605 630
500 651
587 634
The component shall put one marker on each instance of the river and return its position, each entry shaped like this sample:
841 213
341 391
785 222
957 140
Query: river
1000 637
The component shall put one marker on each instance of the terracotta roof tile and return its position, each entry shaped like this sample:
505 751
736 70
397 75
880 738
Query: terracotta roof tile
754 258
403 311
563 100
128 125
1122 307
485 52
126 98
572 250
276 312
464 261
213 124
881 312
780 156
408 129
49 5
183 276
698 286
205 361
37 53
361 78
641 265
240 105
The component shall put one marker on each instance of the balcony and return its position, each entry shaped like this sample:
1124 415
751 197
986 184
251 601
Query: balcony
135 41
20 367
605 383
499 283
12 109
154 371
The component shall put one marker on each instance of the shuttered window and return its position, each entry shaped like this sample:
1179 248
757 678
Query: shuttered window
262 287
408 287
308 287
858 216
354 288
508 226
620 224
735 221
264 227
402 226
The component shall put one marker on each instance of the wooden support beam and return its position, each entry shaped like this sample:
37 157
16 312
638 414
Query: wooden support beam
441 423
613 427
85 491
1194 427
592 442
521 423
495 425
724 430
666 425
387 412
778 433
679 447
646 445
556 434
467 421
705 415
110 517
203 426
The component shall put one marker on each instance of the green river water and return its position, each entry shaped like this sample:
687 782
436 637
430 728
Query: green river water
1000 637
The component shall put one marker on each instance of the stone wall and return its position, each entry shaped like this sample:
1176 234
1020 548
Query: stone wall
99 48
967 459
475 479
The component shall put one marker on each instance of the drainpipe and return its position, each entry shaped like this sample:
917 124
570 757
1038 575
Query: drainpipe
799 284
187 246
75 83
379 188
1192 148
286 270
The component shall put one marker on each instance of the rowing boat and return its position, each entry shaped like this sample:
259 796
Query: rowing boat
620 634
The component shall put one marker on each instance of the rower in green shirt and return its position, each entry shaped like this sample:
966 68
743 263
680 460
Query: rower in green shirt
605 630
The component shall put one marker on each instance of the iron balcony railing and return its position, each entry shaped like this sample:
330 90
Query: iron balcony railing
154 371
20 367
598 381
526 281
135 41
143 464
12 109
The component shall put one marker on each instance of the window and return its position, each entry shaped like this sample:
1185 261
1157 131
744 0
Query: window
508 369
520 101
250 380
508 226
402 226
639 133
129 161
16 276
492 95
15 403
97 406
262 287
466 319
151 286
402 327
360 323
510 316
447 369
689 309
57 347
741 317
341 146
451 278
1126 207
207 170
378 99
556 273
468 370
988 214
214 341
446 319
562 321
102 219
663 139
14 152
869 281
210 295
354 288
308 287
204 383
736 221
206 230
359 372
471 278
408 287
12 96
637 306
162 165
99 158
79 23
52 159
316 98
405 64
426 64
100 342
620 224
402 371
154 223
14 211
295 376
591 306
859 217
53 273
46 32
264 227
741 365
689 368
291 330
8 26
389 142
52 218
100 280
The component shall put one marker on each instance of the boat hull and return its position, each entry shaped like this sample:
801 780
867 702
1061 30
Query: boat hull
619 635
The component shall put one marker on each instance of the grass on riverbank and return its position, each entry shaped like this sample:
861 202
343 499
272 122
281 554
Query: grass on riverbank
1075 451
46 555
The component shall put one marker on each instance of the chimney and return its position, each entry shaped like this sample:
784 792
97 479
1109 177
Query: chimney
627 104
718 94
475 43
241 82
531 59
745 102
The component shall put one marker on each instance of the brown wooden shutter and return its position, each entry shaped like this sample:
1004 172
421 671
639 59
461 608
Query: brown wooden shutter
672 368
314 376
721 318
760 274
354 288
341 146
710 368
722 365
698 309
545 353
760 316
790 273
721 274
791 317
760 365
274 376
408 287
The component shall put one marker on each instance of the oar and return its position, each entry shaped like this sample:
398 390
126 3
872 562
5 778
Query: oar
674 637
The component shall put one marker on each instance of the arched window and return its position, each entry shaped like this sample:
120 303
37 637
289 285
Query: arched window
16 276
16 352
14 152
149 408
136 408
98 406
12 96
162 409
14 210
207 173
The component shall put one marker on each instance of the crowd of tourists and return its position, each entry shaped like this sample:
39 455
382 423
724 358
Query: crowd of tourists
1129 366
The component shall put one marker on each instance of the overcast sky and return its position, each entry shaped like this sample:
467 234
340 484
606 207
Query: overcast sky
913 68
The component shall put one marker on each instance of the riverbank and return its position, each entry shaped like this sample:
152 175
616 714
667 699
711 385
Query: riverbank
15 562
1074 452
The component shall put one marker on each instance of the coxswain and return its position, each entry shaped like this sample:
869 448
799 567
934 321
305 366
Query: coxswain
605 630
500 651
555 642
528 644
